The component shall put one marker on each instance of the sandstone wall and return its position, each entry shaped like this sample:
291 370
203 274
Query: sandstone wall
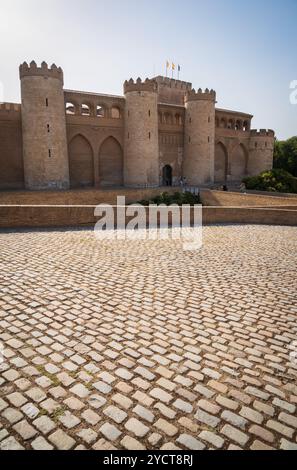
11 151
199 147
44 128
79 216
230 199
141 154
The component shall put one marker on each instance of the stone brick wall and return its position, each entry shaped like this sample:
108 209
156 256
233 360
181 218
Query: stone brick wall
11 152
261 146
141 154
230 199
79 197
127 136
199 145
79 216
44 128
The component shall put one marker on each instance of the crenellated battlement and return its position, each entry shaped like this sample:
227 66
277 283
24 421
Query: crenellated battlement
10 108
208 95
262 133
148 85
10 112
44 70
172 83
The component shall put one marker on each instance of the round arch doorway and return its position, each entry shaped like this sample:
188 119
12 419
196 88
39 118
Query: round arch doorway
167 175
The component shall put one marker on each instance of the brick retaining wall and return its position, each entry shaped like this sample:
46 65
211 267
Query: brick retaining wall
78 216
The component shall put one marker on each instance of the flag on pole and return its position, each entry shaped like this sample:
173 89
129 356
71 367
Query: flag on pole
173 69
167 67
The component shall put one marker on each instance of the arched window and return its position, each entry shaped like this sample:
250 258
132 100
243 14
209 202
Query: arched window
70 109
231 124
115 112
100 111
178 119
168 118
238 125
85 110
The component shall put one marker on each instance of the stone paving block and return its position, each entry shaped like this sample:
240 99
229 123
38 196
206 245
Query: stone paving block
25 430
129 443
41 444
212 439
235 435
161 395
287 445
87 435
12 415
183 406
234 419
61 440
90 417
144 413
16 399
251 415
262 433
11 444
115 414
137 427
207 419
190 442
166 427
69 420
110 432
44 424
191 349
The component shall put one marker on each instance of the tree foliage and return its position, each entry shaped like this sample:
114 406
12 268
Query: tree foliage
285 155
274 180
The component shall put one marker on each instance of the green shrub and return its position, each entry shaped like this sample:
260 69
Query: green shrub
176 198
274 181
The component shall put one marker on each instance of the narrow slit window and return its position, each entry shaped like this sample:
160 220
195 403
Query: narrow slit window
49 153
46 102
48 128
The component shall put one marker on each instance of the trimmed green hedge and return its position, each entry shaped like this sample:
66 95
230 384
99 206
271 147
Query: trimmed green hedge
274 181
176 198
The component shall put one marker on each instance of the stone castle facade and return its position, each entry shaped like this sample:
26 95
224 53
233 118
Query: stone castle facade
160 131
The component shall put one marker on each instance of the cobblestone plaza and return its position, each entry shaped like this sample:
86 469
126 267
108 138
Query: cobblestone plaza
141 345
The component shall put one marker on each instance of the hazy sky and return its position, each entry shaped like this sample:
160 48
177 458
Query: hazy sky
245 50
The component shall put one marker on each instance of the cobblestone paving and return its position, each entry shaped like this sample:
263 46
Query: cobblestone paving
134 345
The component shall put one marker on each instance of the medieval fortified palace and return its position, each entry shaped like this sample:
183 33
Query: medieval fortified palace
160 131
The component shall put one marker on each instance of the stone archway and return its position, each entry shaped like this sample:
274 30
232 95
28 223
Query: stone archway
111 166
167 175
239 163
221 163
81 163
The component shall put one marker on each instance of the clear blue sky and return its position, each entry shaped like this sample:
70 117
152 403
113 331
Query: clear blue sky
245 50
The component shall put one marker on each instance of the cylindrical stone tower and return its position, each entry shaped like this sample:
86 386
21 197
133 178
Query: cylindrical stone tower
141 167
261 148
199 151
44 127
